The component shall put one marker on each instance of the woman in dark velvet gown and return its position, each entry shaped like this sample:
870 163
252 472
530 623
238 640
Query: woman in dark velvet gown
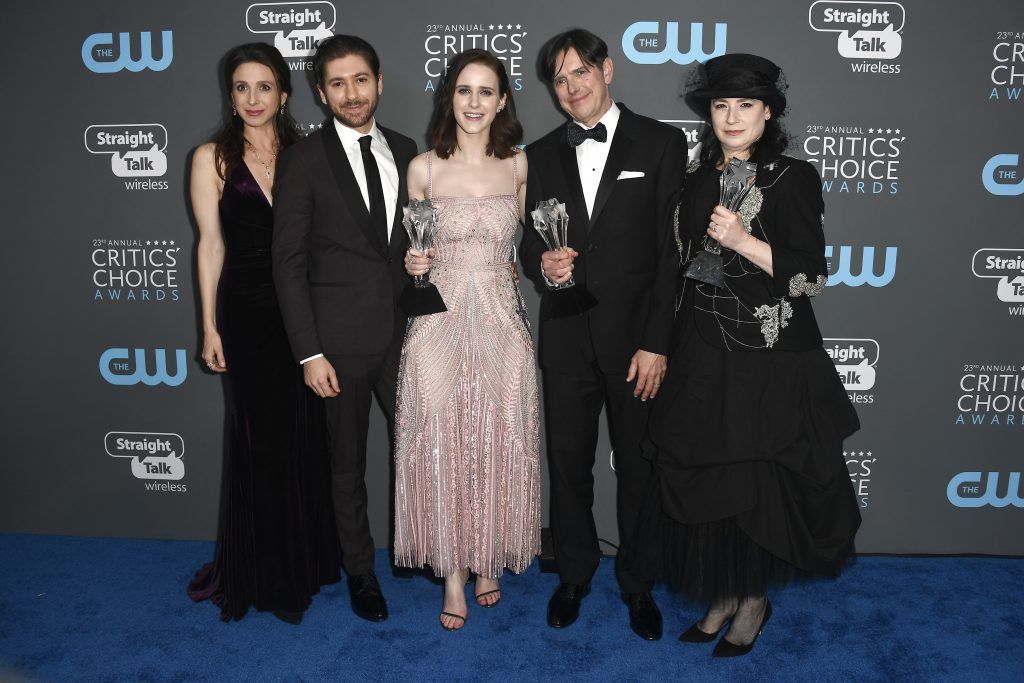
276 543
750 482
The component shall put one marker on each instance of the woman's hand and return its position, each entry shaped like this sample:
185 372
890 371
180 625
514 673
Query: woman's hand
727 228
213 352
418 263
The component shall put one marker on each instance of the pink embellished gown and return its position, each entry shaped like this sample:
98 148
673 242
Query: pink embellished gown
467 470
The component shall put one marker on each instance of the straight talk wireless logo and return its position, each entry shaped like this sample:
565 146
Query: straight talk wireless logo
868 33
136 152
156 458
298 28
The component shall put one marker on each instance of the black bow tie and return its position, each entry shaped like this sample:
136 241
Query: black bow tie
575 134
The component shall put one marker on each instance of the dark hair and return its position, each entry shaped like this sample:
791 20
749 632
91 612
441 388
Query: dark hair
506 131
773 142
340 46
229 140
591 49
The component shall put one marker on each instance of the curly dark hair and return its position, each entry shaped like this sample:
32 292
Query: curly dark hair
506 131
229 140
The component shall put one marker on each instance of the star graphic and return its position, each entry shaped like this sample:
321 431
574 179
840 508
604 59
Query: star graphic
519 27
897 131
147 243
888 130
500 27
871 130
491 27
172 243
861 454
869 454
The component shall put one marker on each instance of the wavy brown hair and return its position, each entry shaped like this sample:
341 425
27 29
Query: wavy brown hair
506 131
229 140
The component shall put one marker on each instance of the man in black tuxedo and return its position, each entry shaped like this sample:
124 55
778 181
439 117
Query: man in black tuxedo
619 175
338 246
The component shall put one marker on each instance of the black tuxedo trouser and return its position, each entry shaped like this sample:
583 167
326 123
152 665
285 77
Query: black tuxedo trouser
572 408
348 419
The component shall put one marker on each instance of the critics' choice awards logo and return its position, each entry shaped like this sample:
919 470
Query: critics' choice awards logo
990 395
692 130
155 457
855 361
1002 176
126 367
869 32
133 270
980 489
860 465
848 267
650 42
102 53
298 27
855 159
1006 266
443 41
1007 75
136 151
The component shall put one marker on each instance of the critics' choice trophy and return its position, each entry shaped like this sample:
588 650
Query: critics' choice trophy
421 297
735 184
552 223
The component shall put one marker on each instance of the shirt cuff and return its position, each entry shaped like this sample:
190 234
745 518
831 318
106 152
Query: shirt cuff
306 360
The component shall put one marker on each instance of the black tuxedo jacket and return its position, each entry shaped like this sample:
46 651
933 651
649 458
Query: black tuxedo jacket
337 282
627 252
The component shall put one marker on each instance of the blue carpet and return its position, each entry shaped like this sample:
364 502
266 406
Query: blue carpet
115 609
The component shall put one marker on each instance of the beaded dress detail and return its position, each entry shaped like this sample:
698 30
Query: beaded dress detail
467 471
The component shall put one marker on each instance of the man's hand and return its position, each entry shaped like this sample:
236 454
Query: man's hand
649 370
321 378
557 265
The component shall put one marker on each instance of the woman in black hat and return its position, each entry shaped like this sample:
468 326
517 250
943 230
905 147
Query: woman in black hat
747 432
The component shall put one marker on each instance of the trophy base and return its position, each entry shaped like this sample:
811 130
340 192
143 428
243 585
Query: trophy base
416 301
569 301
707 268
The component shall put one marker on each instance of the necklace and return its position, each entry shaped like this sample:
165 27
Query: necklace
266 164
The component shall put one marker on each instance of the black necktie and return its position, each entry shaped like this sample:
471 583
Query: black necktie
374 190
575 134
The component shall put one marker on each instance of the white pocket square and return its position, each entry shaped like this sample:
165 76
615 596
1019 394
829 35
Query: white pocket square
626 175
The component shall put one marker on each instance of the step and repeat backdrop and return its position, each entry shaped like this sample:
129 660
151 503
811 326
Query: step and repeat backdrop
911 111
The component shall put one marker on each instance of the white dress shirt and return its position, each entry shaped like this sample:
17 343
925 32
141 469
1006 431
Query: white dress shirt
592 155
385 164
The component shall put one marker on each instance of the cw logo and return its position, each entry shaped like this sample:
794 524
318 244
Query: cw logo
843 274
99 55
1000 176
642 43
117 370
965 491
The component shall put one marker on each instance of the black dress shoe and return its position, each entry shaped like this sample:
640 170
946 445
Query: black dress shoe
726 649
367 600
695 635
564 606
293 618
644 615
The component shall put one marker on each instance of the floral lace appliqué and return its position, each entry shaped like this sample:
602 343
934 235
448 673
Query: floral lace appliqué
798 285
772 319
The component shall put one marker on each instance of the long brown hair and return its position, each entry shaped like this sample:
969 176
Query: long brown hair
506 131
229 140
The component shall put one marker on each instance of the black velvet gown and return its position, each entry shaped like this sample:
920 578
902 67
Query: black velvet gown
746 433
276 543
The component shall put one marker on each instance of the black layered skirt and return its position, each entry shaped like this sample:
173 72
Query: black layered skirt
750 485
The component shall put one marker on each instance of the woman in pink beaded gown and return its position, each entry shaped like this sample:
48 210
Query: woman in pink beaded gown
467 471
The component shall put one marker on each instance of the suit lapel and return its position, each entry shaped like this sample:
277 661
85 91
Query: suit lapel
575 202
341 169
622 143
397 243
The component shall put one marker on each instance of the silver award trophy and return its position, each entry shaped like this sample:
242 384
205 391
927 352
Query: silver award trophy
552 224
422 297
735 184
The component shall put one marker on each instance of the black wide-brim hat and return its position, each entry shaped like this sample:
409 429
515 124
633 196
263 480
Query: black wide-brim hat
737 75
